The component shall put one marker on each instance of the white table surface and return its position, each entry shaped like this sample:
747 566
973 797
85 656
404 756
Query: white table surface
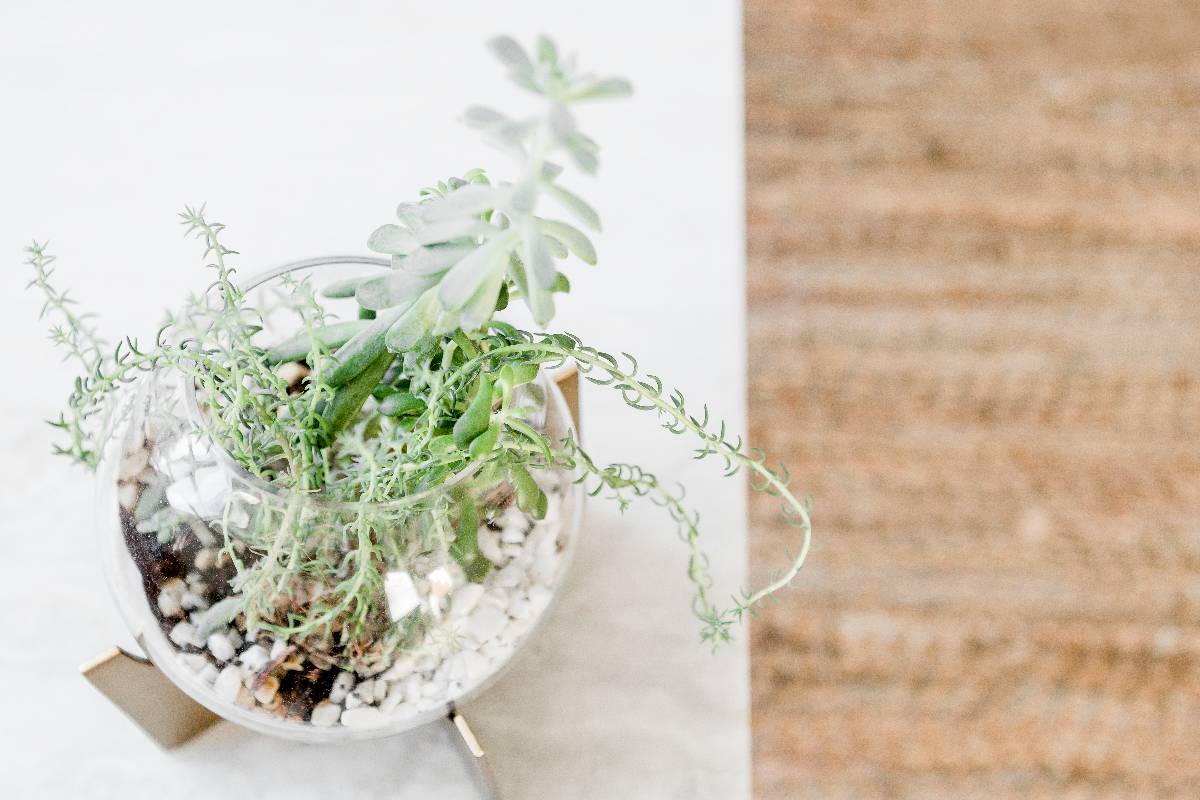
301 126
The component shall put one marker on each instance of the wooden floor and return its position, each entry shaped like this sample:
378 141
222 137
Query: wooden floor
974 235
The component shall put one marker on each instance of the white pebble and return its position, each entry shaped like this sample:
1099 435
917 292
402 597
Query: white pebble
498 652
486 622
519 607
365 692
210 673
325 714
395 696
265 693
127 495
496 598
508 577
477 665
489 545
401 669
183 634
168 605
433 689
401 594
465 599
228 684
220 646
412 690
279 647
381 691
191 600
255 658
353 701
174 586
539 598
515 630
342 685
440 582
205 558
365 717
203 493
426 663
194 661
133 463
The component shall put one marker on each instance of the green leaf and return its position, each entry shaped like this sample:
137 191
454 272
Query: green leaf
482 444
557 248
435 258
363 348
575 240
469 200
511 54
536 255
401 404
576 205
220 614
401 288
464 279
348 400
299 346
547 53
602 89
340 290
465 548
483 117
415 323
392 239
477 417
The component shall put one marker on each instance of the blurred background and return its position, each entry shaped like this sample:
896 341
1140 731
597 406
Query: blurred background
974 236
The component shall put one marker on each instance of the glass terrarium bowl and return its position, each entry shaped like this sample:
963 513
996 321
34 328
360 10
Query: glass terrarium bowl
177 515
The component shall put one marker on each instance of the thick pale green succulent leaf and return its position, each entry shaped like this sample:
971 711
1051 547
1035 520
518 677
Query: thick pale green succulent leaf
484 117
450 229
576 205
330 336
557 248
415 323
400 288
470 200
511 54
541 304
480 308
602 89
536 255
434 259
575 240
339 290
464 278
583 155
547 53
562 124
365 346
523 197
393 240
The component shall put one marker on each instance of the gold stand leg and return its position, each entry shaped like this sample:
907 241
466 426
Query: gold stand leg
157 706
568 384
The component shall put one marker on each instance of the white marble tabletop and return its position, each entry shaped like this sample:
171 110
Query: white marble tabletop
301 126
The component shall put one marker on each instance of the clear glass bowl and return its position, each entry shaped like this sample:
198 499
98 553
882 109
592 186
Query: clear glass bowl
176 515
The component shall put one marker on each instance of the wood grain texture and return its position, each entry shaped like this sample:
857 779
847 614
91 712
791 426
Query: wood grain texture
974 236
